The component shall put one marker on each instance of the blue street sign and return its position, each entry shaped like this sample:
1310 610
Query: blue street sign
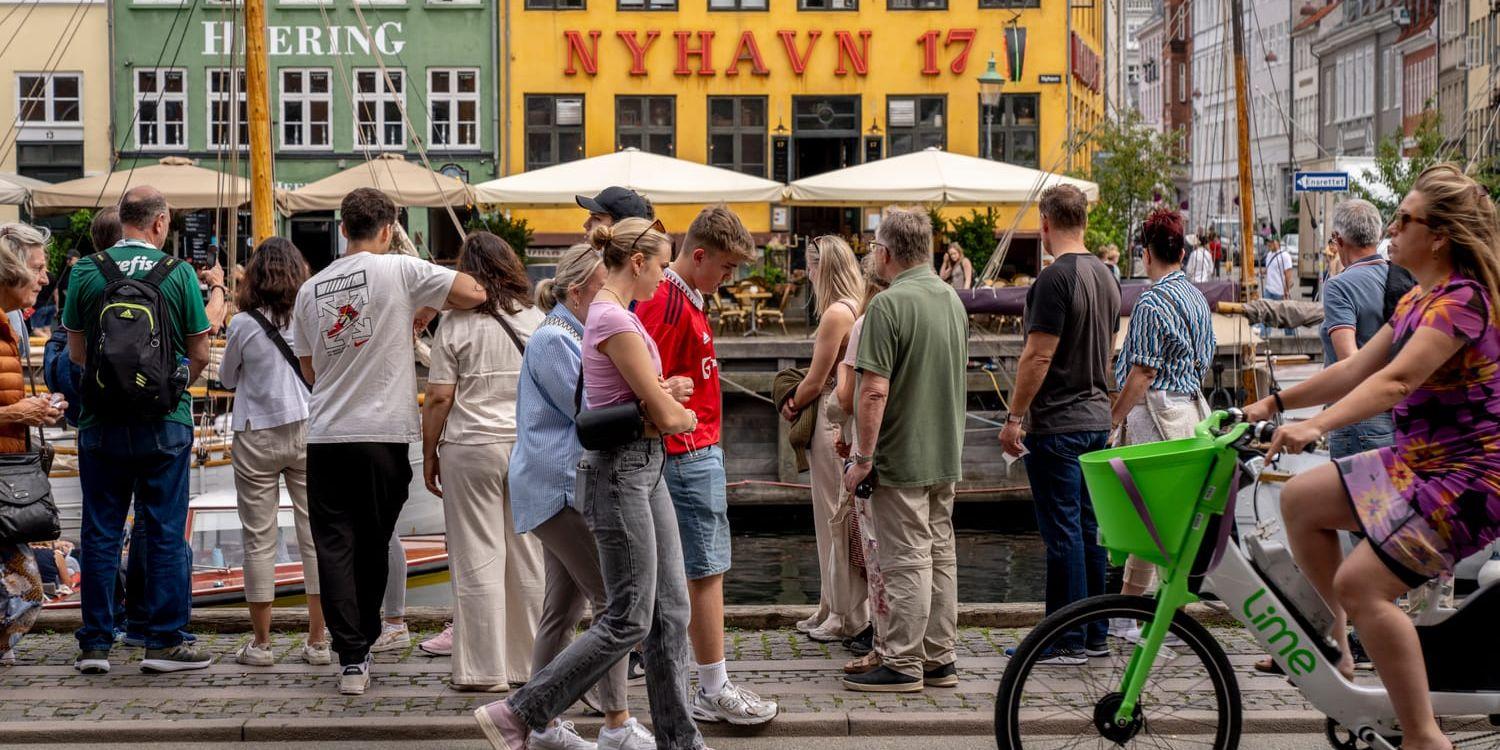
1321 182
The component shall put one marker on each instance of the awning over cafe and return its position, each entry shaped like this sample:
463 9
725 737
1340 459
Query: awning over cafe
408 184
15 189
186 186
930 176
662 179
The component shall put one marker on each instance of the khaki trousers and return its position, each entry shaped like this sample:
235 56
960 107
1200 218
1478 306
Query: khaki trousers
497 575
844 594
919 564
262 458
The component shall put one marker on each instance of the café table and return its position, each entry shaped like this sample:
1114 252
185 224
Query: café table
751 297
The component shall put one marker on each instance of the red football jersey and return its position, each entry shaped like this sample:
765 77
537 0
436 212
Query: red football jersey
686 343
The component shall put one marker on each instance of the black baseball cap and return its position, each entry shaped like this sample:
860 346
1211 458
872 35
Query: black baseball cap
619 203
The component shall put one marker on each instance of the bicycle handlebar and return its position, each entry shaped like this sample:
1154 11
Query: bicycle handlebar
1229 421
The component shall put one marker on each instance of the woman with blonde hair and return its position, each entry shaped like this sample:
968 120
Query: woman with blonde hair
1425 502
839 288
957 269
623 494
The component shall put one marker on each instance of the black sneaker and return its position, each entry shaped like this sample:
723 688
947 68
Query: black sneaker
636 672
1357 650
863 643
945 676
1058 657
93 661
179 658
883 680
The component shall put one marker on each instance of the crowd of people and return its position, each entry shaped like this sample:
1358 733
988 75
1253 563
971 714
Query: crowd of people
573 433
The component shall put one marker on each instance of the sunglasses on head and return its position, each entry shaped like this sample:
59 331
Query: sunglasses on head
656 225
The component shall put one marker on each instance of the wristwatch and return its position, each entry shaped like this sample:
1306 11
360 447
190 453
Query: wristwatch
1015 419
861 458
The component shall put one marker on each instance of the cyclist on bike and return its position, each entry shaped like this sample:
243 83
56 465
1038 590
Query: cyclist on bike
1433 498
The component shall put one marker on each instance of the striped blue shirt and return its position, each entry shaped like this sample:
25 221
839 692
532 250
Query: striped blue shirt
544 462
1172 332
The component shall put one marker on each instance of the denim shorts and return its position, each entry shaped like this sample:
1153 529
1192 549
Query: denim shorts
696 482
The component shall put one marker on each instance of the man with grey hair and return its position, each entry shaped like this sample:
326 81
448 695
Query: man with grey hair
909 417
1354 310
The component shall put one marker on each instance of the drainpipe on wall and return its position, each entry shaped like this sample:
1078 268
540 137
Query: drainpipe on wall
109 20
1068 74
500 54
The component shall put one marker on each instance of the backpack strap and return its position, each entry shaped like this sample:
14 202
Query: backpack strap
160 271
107 267
281 345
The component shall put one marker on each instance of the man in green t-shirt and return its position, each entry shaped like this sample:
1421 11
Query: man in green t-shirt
145 460
909 423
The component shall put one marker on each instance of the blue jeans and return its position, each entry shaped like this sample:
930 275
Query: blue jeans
150 462
1065 517
1376 432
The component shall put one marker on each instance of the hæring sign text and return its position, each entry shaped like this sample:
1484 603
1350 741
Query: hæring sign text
695 51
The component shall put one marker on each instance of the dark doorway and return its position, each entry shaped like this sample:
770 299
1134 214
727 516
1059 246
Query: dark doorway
825 137
313 234
445 241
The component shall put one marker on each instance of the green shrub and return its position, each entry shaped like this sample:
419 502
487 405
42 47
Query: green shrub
517 232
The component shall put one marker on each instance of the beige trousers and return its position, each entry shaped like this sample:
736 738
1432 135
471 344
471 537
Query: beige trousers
919 565
497 576
261 459
843 600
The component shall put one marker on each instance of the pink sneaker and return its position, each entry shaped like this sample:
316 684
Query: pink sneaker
503 729
440 644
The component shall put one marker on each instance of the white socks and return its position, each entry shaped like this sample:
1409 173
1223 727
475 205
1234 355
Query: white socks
713 677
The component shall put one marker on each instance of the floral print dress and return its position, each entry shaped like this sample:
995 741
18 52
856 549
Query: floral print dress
1433 498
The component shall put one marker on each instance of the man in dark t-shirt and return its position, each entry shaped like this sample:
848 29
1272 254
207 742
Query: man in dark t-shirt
1060 408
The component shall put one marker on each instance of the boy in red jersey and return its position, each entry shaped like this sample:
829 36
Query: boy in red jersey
715 245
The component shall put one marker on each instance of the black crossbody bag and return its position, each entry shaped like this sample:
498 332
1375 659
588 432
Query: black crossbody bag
607 428
281 345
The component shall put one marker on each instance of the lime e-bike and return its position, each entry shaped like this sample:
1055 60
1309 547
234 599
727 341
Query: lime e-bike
1173 686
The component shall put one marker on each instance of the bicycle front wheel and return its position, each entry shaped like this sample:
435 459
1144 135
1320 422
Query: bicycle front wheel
1049 700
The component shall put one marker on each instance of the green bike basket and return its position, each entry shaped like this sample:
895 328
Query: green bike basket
1170 475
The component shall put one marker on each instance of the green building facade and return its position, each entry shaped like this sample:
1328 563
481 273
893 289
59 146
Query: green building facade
339 79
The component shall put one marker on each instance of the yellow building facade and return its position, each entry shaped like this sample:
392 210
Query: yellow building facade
56 76
789 88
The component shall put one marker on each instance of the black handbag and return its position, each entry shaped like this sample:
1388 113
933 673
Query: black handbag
607 428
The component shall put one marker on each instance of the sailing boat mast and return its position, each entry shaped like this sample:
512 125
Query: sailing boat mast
1242 133
258 92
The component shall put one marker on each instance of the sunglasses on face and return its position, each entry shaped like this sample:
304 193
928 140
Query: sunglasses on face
1404 218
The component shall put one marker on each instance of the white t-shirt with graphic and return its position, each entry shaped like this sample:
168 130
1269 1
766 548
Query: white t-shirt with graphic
354 318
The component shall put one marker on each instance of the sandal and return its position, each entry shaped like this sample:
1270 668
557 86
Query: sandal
1268 666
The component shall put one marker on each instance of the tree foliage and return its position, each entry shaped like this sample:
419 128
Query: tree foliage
1133 166
975 233
517 232
1397 167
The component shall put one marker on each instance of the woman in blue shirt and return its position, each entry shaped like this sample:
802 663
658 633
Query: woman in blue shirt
542 478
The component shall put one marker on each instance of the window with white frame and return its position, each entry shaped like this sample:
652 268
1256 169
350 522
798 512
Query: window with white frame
161 108
306 109
453 107
48 99
1182 79
227 125
1367 76
377 108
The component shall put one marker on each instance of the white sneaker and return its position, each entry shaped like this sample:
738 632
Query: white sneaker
630 736
252 655
562 736
355 678
392 638
317 654
822 635
7 658
734 705
1171 641
804 626
1120 627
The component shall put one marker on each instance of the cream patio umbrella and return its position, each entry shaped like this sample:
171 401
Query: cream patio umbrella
661 179
186 186
16 190
408 184
930 176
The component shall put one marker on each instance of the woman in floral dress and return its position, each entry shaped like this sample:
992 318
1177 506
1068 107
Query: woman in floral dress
1432 498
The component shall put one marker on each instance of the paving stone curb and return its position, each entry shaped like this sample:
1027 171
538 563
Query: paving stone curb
845 724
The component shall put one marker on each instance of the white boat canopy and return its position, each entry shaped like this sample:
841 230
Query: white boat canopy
661 179
930 176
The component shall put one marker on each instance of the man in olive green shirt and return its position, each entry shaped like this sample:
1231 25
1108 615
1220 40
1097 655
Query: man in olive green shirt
909 417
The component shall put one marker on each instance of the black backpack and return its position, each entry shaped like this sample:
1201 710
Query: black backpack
132 372
1398 281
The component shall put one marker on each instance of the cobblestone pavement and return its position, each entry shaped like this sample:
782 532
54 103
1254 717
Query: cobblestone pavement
779 664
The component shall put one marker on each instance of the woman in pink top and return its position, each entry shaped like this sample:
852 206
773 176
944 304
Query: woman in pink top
624 498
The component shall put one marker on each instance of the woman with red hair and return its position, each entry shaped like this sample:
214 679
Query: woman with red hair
1168 349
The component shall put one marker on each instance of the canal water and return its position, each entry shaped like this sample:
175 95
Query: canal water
1000 557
